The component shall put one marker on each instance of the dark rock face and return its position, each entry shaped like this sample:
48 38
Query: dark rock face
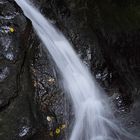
16 119
51 102
104 33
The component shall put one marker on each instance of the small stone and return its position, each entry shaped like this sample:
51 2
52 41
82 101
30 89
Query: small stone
49 118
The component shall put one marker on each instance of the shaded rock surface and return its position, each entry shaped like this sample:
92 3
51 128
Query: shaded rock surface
16 119
104 33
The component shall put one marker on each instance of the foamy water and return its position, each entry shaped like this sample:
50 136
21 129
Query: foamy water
93 117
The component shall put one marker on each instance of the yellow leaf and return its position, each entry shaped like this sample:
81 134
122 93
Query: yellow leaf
57 131
63 126
51 134
11 29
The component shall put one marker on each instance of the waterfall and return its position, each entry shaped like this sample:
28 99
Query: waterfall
93 117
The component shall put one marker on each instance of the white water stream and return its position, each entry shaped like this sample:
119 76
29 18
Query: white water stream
94 119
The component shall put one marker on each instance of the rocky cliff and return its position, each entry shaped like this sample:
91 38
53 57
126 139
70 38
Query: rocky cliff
104 33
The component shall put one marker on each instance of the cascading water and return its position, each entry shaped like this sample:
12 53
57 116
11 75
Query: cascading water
93 117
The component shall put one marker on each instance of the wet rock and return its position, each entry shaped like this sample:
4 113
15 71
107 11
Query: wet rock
4 72
52 103
16 117
105 35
